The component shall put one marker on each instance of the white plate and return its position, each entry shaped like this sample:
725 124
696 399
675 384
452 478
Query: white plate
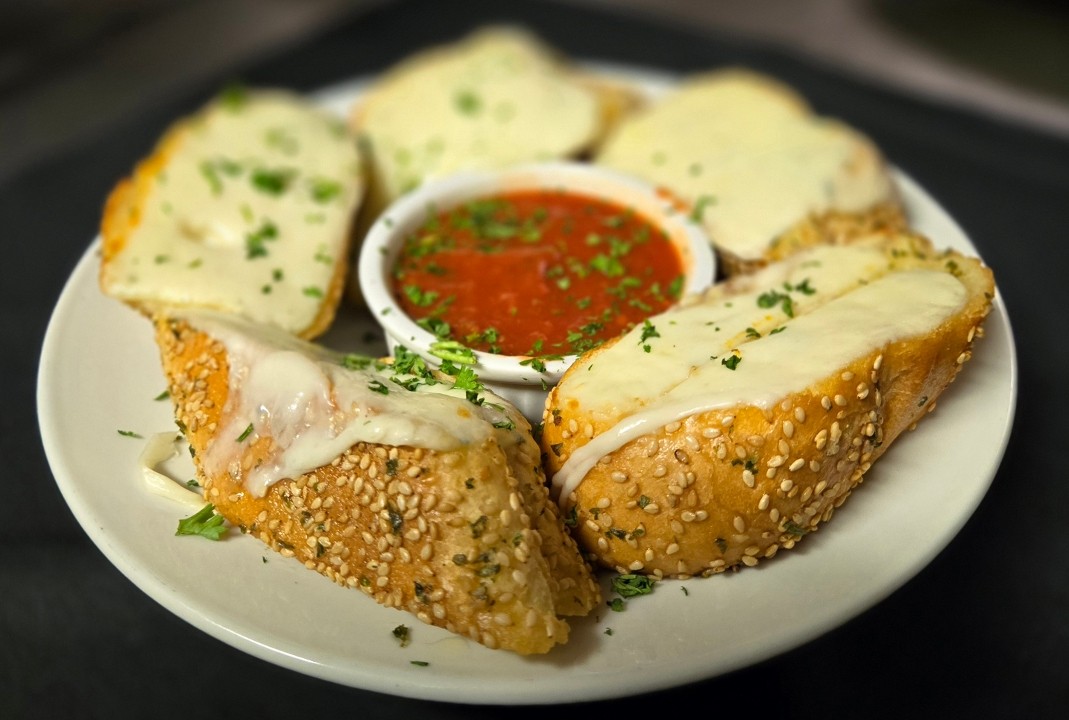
100 373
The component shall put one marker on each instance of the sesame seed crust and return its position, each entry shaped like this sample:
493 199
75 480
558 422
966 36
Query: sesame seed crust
466 540
734 501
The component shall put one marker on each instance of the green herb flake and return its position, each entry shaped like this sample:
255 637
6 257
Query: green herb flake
205 523
467 102
699 207
271 182
245 433
233 97
131 434
632 585
403 635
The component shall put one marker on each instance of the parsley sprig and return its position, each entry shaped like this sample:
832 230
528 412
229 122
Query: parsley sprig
205 522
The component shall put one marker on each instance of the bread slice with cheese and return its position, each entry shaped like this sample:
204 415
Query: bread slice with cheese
497 97
247 206
721 432
757 167
421 490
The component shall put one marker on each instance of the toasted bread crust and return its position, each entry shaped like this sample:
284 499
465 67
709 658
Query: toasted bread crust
466 540
727 488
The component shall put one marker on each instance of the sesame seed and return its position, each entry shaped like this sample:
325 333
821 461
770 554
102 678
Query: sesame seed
788 428
672 426
825 402
797 465
799 414
840 400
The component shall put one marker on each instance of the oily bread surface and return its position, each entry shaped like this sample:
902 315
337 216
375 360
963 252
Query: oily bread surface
466 540
727 488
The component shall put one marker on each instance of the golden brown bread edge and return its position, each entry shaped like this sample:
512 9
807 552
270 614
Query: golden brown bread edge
466 540
676 502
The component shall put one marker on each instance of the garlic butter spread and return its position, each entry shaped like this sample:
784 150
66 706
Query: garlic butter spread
246 207
494 99
746 349
752 161
314 407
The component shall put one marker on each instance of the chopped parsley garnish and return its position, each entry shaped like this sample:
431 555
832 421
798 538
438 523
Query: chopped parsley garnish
699 207
731 361
772 298
272 182
453 351
131 434
245 433
632 585
205 523
649 330
467 102
403 635
233 97
255 242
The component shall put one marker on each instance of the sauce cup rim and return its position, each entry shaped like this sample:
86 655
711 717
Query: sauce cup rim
382 244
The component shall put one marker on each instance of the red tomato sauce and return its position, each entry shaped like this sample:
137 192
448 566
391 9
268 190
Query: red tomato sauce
536 273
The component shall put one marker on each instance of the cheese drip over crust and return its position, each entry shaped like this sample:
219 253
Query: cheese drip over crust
735 352
311 407
245 207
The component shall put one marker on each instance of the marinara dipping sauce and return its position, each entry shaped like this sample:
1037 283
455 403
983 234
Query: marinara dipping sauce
541 273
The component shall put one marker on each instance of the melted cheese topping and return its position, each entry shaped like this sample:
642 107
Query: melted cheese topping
755 161
249 213
314 408
641 392
496 99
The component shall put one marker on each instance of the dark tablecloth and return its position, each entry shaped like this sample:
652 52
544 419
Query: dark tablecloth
981 632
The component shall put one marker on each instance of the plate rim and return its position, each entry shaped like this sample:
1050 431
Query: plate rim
445 688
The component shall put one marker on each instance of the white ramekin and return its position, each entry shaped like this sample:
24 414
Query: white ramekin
522 385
